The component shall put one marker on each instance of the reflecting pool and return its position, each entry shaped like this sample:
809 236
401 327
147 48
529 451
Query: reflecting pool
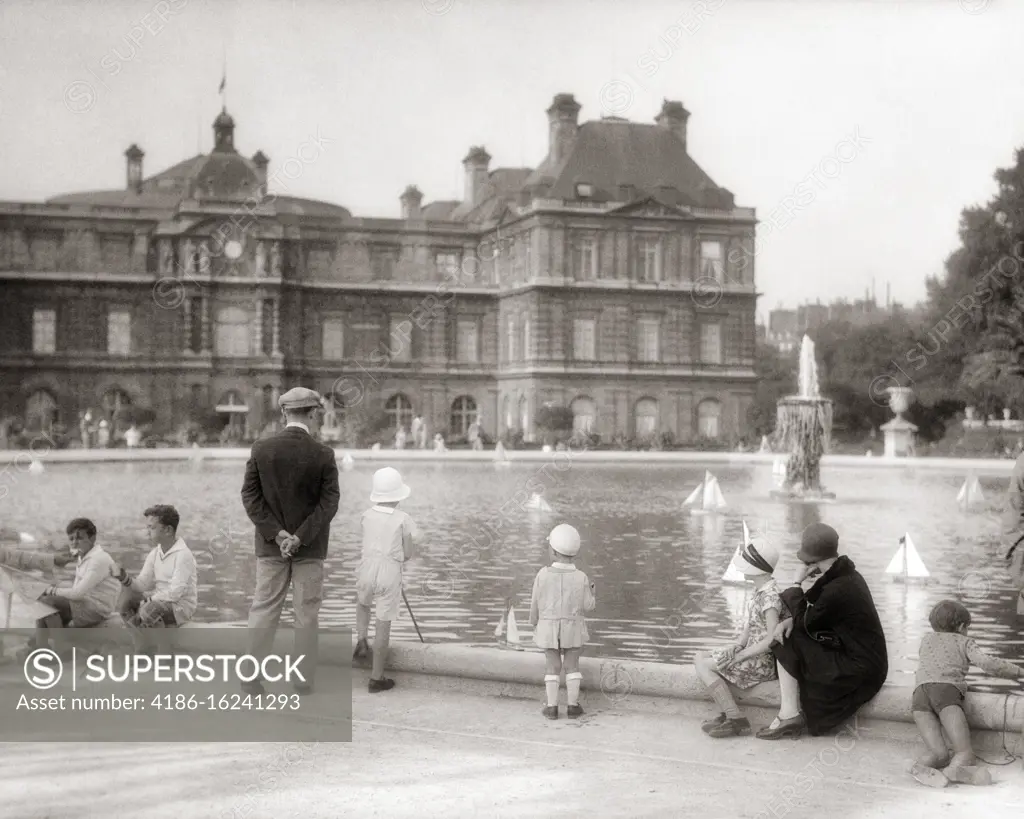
658 570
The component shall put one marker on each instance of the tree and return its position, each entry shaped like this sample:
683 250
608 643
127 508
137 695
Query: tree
554 422
776 378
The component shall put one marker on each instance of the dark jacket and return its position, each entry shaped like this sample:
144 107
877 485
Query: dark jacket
291 483
837 648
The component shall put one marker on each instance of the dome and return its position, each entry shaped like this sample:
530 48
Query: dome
224 120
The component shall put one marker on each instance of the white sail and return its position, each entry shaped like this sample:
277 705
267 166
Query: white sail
732 574
36 467
347 462
907 563
500 628
719 497
970 493
537 504
696 496
513 628
25 537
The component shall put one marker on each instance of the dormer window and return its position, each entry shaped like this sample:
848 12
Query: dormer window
584 190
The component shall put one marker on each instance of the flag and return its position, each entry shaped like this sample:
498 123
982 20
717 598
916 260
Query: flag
223 82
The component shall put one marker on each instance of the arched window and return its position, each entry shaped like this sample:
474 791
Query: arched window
646 418
234 336
114 401
709 418
399 411
40 411
524 417
463 414
584 414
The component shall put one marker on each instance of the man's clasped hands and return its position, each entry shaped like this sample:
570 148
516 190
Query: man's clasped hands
289 543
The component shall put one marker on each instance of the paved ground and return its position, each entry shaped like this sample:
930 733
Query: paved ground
423 752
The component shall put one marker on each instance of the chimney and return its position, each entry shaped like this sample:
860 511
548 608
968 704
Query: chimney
673 118
475 164
562 126
261 161
134 156
411 200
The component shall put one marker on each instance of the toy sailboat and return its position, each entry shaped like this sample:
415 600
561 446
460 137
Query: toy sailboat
537 504
970 494
36 467
779 471
907 566
347 462
707 498
509 629
732 576
500 458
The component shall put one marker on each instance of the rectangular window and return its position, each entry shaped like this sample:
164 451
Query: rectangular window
648 259
649 340
400 339
446 263
512 355
711 266
119 332
365 340
583 340
44 331
195 327
383 259
585 258
333 339
711 343
467 341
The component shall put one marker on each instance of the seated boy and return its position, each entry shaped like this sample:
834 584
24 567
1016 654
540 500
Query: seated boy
164 593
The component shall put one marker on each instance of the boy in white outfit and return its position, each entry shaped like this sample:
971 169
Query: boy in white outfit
388 535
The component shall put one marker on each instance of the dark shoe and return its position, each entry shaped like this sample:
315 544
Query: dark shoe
707 725
792 728
363 650
383 684
550 711
302 689
254 688
730 728
574 711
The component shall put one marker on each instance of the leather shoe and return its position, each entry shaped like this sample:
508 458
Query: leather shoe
792 728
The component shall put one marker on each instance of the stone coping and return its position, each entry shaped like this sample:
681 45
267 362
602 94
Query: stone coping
615 680
21 459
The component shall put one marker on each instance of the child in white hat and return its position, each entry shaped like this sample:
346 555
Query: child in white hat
388 535
561 593
749 660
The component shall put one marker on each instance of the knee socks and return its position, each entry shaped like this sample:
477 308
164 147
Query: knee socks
723 697
551 687
572 687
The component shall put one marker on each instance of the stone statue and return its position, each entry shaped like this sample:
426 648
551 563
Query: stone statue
275 259
188 261
261 258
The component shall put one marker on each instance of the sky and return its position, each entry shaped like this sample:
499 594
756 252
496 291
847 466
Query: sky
858 130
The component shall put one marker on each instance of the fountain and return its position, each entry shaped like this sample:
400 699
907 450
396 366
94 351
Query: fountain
803 426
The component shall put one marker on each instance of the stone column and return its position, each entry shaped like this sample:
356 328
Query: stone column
684 408
491 417
186 307
205 343
258 332
276 307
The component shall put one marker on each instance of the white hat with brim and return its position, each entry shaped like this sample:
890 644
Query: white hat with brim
565 540
757 546
388 486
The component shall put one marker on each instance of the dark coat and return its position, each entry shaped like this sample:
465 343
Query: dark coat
837 648
291 483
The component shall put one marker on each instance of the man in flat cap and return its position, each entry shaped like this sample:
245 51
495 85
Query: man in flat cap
291 495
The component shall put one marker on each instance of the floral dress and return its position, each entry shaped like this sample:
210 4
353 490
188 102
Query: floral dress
759 669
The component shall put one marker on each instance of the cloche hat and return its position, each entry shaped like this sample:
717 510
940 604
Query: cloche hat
757 557
388 486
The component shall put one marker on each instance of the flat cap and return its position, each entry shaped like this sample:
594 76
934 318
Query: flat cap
300 398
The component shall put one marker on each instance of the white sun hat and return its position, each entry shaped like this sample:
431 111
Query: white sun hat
565 540
388 486
757 550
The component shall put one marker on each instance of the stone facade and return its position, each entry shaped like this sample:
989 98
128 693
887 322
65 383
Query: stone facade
197 289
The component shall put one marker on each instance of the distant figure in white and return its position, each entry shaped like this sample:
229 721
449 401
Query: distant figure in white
473 435
419 433
103 436
439 443
400 437
132 437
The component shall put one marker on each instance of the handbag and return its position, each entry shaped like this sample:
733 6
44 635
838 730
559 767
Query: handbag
828 639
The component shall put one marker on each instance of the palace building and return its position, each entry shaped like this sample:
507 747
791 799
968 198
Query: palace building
615 278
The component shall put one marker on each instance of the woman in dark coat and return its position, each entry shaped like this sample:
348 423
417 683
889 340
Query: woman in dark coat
830 654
